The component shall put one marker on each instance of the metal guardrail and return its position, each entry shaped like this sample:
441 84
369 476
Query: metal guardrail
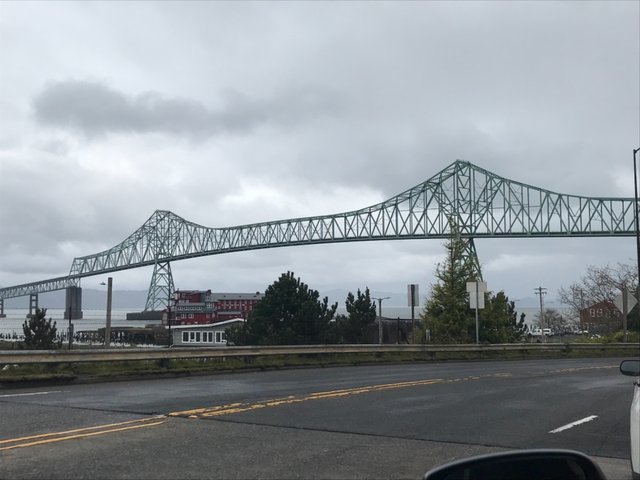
116 355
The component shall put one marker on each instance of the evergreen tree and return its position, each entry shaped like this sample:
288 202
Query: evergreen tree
290 313
39 333
447 314
362 314
498 321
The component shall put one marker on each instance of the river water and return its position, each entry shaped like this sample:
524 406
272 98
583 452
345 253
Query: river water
94 319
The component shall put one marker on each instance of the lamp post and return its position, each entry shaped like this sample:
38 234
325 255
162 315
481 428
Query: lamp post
380 299
70 331
635 202
169 336
541 291
107 329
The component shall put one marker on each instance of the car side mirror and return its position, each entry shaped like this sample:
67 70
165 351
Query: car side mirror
521 465
630 367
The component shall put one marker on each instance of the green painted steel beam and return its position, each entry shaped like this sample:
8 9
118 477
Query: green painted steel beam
483 204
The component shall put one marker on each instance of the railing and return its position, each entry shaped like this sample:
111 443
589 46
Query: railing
115 355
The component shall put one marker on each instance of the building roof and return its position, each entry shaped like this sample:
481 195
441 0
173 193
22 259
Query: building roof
604 304
236 296
207 325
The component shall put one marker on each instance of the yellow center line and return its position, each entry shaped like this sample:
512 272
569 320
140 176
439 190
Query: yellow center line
231 408
239 407
44 435
81 435
202 410
219 410
580 369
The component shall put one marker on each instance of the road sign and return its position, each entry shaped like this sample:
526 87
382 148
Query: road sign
481 289
413 295
619 302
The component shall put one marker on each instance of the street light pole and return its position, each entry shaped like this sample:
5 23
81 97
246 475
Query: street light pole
107 329
380 317
170 335
541 291
635 202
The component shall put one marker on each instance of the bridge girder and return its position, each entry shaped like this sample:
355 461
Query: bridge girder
482 204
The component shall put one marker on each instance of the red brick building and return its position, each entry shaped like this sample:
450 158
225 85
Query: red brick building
603 317
192 307
234 305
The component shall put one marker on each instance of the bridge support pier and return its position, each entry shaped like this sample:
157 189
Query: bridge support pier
73 303
161 289
33 304
2 314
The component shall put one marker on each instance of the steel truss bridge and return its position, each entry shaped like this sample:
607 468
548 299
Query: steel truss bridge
481 204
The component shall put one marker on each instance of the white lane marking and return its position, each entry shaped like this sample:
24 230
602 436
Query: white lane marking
27 394
573 424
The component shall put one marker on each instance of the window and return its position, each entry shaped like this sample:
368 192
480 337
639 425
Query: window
192 336
197 336
185 337
220 337
210 337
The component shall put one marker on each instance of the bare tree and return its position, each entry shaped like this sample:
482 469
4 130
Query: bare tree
555 321
598 285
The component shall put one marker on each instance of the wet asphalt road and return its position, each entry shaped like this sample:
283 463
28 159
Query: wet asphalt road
391 421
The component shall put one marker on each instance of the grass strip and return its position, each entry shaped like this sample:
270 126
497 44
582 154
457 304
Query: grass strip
68 372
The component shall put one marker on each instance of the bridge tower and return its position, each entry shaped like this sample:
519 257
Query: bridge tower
161 288
471 255
458 198
33 304
73 303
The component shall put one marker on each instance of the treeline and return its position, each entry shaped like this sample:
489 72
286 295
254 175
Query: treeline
291 313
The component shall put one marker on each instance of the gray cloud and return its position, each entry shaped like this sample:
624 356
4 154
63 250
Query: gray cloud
333 105
96 109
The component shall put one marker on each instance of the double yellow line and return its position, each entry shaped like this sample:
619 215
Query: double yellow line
219 410
245 407
239 407
45 438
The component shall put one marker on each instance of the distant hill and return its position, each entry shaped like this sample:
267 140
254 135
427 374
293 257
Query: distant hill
91 300
137 299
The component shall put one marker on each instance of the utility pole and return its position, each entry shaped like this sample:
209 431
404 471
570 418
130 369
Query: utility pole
169 338
107 329
635 202
625 311
477 321
70 331
380 317
541 291
412 297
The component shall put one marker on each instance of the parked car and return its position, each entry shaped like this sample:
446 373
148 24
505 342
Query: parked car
538 333
632 368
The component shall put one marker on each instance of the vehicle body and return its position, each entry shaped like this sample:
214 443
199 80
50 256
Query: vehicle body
521 465
632 368
538 333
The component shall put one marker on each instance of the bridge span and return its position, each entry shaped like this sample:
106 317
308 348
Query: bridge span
481 204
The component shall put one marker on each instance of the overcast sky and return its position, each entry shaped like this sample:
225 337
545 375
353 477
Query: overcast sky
234 113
